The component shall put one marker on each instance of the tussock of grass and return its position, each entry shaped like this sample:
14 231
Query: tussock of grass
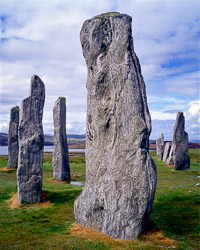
14 204
7 170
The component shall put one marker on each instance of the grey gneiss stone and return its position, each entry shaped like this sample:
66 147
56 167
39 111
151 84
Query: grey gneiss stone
180 144
120 175
13 145
160 146
167 149
170 159
31 144
61 170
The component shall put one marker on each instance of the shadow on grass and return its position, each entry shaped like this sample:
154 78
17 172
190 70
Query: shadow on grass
63 196
176 213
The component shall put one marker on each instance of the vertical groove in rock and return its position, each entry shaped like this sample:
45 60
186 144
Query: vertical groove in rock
31 144
61 170
120 175
13 145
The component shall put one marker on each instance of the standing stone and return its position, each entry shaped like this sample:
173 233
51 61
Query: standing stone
13 145
160 146
120 174
31 144
180 144
167 151
170 159
61 170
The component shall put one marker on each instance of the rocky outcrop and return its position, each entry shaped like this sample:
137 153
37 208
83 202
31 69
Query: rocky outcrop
61 170
180 144
13 145
120 175
166 151
160 146
31 143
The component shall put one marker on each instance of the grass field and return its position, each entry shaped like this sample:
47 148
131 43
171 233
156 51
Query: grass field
174 223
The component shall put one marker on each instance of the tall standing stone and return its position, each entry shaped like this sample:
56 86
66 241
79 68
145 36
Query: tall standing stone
160 146
166 151
120 175
180 144
13 145
31 144
61 170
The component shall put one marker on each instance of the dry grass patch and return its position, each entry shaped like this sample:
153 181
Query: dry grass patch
151 238
157 238
91 234
52 180
14 204
7 170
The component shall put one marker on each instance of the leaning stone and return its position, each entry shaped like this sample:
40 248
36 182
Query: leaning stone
61 170
120 174
160 146
180 144
31 144
13 145
166 151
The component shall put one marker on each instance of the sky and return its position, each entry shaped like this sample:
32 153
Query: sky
41 37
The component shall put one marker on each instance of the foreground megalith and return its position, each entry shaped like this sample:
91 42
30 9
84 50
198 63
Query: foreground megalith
61 170
13 145
31 144
160 146
180 144
120 175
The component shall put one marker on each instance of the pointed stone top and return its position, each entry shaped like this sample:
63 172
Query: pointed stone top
14 114
61 99
180 120
37 87
15 109
109 15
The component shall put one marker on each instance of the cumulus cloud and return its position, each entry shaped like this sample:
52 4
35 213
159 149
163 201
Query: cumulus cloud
194 110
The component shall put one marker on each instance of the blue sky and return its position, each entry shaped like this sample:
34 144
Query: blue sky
42 38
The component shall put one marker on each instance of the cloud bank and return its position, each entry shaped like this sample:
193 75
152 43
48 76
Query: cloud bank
42 37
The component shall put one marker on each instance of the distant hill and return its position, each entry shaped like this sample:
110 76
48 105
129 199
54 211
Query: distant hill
78 141
73 139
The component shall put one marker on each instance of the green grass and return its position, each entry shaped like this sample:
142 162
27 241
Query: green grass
175 217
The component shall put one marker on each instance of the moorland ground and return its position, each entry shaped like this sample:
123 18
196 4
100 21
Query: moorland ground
174 223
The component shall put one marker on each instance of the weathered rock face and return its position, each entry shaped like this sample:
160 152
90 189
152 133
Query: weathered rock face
13 145
31 144
61 170
160 146
120 175
166 151
180 144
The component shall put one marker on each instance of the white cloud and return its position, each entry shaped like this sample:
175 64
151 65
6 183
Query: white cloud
194 110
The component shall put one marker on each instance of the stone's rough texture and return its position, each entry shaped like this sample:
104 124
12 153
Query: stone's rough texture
13 145
31 144
180 144
160 147
166 151
61 170
120 175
